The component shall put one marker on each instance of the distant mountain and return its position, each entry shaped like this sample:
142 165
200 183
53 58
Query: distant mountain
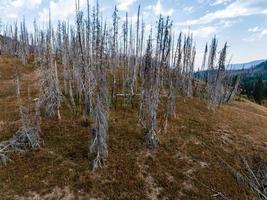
256 71
249 73
241 68
251 76
246 65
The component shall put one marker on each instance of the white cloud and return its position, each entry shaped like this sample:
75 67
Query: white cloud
188 9
263 32
202 32
60 10
239 8
257 34
254 29
25 3
158 9
12 9
218 2
227 23
125 4
205 32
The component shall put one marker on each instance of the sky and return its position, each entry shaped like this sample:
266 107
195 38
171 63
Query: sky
240 23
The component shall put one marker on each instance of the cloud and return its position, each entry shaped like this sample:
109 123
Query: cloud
257 34
218 2
202 32
227 23
239 8
11 9
125 4
26 3
158 9
254 29
200 1
188 9
60 10
263 32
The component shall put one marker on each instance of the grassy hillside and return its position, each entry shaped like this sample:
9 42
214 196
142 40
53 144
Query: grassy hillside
193 161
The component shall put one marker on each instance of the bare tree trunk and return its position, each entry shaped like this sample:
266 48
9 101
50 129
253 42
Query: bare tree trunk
57 83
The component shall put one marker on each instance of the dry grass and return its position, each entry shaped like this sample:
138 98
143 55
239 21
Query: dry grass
187 164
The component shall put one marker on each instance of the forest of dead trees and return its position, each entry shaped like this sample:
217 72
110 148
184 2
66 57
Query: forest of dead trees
92 64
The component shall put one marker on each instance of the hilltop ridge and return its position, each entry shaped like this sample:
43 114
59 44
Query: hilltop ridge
248 65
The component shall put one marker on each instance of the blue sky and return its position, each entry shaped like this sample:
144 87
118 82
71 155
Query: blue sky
241 23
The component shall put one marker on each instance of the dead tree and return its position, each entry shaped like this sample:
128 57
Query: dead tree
125 56
51 95
65 57
27 137
188 65
149 97
232 89
131 65
24 41
100 130
114 53
170 104
134 85
201 78
219 87
211 76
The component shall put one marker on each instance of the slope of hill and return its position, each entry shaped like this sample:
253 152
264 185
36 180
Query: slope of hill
194 160
260 69
250 77
246 65
256 70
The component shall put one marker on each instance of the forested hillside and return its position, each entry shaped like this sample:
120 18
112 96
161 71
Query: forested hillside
105 110
254 82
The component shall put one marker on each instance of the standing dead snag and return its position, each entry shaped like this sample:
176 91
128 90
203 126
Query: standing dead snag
211 77
170 104
130 65
57 91
50 98
201 79
188 65
137 57
18 84
65 57
149 97
114 53
50 92
219 86
24 42
125 55
99 134
83 62
100 130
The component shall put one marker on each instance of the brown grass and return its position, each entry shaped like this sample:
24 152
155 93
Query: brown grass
186 165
